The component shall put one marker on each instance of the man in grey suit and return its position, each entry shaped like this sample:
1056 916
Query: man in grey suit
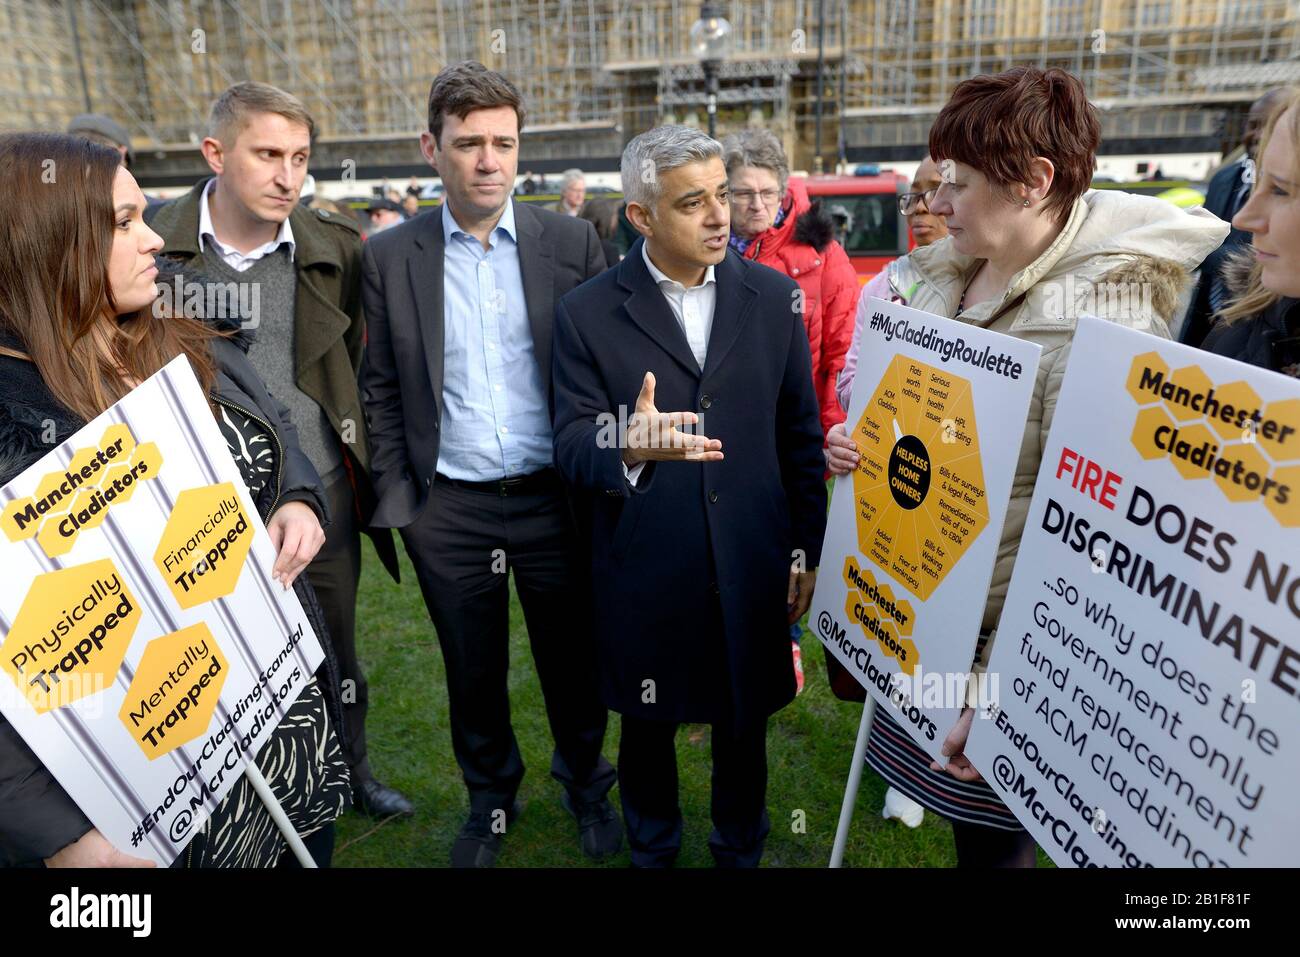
456 384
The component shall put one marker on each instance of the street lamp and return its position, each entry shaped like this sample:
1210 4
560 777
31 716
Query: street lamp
711 43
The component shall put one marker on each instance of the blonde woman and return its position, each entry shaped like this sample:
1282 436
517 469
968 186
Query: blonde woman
1261 323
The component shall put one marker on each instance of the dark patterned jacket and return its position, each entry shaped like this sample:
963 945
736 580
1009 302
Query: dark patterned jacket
37 817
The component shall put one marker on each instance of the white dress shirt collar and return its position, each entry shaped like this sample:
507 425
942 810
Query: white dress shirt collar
233 257
660 277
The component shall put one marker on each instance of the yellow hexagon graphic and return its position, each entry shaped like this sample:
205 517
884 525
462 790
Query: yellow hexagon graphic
919 487
119 483
175 690
89 508
1288 513
70 635
1145 429
51 482
1192 447
1194 379
83 465
1253 461
873 607
57 535
881 630
1279 447
23 518
1241 397
120 438
906 617
146 461
1144 368
203 547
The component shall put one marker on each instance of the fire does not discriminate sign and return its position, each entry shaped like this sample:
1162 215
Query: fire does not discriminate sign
1148 661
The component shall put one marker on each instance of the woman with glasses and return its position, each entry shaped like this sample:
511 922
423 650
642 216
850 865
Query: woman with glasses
774 223
1030 249
895 282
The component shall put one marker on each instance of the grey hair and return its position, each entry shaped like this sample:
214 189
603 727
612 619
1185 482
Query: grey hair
571 176
651 154
756 148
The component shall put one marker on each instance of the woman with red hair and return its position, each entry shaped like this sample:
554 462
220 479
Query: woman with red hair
1016 153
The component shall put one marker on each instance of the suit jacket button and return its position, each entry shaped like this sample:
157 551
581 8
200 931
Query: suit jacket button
705 402
713 496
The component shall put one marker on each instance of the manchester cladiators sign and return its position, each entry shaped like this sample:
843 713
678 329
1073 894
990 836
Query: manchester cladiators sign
1149 650
145 651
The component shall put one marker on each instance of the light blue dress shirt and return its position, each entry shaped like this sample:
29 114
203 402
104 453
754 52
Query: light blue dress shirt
496 422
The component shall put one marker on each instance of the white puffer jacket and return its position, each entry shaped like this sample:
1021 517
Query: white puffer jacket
1123 257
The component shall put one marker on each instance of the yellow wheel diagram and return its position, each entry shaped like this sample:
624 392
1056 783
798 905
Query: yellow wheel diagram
919 495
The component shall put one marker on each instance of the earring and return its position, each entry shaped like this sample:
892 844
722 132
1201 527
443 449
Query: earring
1026 202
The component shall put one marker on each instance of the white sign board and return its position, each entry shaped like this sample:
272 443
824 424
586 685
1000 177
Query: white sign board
938 413
146 651
1149 650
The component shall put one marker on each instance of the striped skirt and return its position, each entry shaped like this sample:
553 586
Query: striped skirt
893 755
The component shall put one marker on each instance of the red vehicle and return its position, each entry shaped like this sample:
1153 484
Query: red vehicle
868 223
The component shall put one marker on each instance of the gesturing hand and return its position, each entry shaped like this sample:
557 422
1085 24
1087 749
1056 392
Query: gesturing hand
652 434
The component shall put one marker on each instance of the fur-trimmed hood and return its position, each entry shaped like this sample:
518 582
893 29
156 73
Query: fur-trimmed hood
814 227
1234 272
32 421
1111 238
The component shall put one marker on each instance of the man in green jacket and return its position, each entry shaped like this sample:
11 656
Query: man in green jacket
300 270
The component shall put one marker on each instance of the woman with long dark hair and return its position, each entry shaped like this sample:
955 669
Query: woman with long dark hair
77 332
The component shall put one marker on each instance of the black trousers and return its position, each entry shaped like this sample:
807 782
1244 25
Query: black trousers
334 574
463 547
647 775
319 844
985 847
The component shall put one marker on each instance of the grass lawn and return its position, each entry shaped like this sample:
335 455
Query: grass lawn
809 747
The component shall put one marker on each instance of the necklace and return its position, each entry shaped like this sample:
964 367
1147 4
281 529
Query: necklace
961 303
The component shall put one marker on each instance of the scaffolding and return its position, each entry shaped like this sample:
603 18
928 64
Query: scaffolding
1157 67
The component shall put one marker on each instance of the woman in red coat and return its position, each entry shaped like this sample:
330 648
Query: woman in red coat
773 223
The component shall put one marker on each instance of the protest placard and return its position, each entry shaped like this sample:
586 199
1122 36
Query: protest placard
147 652
938 413
1147 653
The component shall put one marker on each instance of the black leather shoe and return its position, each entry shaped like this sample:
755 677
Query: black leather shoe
479 842
379 800
600 831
